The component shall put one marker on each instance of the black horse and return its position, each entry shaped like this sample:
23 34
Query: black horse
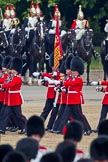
3 43
36 53
104 56
68 42
84 49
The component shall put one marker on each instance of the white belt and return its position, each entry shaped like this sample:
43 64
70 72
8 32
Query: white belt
51 85
15 91
106 92
18 91
72 92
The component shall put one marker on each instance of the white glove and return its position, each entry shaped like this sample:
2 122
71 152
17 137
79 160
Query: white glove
56 82
52 31
26 29
46 78
54 73
94 83
12 31
63 32
99 89
36 74
50 81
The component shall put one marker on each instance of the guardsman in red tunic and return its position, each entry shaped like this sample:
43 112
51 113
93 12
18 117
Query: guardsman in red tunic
55 75
3 78
104 89
14 99
74 96
67 73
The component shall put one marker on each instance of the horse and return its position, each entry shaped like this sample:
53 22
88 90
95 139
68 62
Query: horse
104 57
36 53
68 41
3 43
84 49
17 42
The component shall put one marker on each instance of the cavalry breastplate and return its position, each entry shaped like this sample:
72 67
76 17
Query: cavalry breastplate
7 24
80 24
32 22
54 23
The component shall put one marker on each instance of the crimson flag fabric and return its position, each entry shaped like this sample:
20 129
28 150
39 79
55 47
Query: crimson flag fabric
57 47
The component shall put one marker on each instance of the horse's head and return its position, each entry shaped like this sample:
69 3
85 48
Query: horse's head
3 40
41 29
72 35
87 37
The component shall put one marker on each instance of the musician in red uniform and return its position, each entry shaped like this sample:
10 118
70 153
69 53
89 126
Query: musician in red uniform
74 96
14 99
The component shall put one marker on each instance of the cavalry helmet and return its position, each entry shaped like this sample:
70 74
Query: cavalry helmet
32 8
12 10
56 12
7 11
80 12
38 10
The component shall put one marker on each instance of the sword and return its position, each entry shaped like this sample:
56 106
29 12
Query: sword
56 98
1 13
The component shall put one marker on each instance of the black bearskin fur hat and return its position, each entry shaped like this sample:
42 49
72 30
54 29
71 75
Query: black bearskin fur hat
16 64
73 131
99 148
68 61
35 126
77 65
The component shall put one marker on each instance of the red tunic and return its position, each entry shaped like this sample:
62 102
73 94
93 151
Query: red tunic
74 94
2 80
14 91
51 91
105 99
75 24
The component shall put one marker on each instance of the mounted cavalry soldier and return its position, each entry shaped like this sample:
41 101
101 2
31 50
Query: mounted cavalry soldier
52 28
80 25
30 22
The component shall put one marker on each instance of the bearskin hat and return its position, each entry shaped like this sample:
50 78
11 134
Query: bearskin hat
35 125
7 61
68 61
16 64
73 131
62 67
99 148
51 60
103 127
77 65
1 61
51 157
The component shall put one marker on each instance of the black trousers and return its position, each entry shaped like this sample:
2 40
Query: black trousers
103 114
59 117
48 107
1 105
53 116
6 115
76 112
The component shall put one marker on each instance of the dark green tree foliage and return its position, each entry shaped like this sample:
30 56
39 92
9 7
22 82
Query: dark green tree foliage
94 10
